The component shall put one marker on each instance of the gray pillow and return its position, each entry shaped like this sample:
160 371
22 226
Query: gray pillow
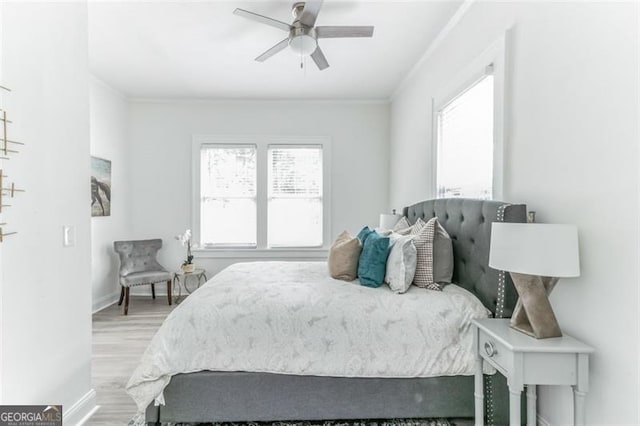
403 227
343 257
434 267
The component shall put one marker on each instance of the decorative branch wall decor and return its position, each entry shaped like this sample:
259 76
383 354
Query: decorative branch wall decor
6 190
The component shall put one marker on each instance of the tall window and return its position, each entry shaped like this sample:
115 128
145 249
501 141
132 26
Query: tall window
465 143
295 196
260 192
228 207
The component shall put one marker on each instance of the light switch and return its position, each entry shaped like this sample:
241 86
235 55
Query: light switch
68 236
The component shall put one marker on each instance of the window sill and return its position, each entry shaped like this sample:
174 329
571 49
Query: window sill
253 253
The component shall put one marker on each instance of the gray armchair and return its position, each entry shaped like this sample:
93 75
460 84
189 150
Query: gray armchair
138 266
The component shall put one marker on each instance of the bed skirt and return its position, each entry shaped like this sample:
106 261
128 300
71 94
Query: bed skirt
239 397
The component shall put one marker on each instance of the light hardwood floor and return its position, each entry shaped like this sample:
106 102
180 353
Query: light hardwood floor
118 344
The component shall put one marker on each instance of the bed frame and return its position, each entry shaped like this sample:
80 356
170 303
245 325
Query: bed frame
210 396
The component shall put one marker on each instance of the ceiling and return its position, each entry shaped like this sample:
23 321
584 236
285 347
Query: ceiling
201 50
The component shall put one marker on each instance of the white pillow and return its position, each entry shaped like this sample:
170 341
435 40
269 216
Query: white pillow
401 263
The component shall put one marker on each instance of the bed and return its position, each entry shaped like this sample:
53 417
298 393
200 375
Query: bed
269 395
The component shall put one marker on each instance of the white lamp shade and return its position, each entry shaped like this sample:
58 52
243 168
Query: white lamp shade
388 221
546 250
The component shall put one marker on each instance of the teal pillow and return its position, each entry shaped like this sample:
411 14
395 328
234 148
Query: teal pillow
364 233
372 265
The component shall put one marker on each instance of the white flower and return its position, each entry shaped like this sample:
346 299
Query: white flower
184 238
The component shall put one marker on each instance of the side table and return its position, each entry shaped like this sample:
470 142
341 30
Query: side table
181 279
526 361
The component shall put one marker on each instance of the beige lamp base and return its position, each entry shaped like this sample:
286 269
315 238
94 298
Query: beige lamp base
533 314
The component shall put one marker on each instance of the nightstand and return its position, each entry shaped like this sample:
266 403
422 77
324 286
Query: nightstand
526 361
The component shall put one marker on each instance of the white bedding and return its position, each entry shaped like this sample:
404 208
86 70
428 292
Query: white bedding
293 318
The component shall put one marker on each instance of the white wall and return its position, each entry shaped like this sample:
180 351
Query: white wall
160 137
46 293
109 132
571 155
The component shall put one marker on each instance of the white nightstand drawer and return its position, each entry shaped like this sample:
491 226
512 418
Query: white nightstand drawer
495 353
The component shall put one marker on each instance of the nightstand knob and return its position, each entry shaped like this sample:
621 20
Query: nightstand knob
490 349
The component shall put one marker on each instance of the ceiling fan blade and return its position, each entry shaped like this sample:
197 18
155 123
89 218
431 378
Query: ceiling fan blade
319 59
344 32
275 49
262 19
310 12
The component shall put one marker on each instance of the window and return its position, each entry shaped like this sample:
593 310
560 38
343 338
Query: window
469 128
228 207
260 192
465 143
295 196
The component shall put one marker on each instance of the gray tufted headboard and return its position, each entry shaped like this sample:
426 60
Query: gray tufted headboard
468 222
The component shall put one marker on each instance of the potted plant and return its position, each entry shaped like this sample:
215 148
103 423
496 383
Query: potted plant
188 265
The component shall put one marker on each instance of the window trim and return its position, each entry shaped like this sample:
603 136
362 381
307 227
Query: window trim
262 144
494 57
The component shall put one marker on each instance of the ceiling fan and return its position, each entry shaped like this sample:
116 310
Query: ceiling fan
303 34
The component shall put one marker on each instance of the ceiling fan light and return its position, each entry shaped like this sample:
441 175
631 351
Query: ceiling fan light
303 44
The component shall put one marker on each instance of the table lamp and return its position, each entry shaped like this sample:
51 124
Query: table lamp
536 255
388 221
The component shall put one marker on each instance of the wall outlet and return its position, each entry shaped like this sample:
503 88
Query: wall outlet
68 236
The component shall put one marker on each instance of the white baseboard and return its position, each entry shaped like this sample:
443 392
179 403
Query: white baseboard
105 301
542 421
82 410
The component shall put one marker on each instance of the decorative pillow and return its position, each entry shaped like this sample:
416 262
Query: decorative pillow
401 264
435 254
383 232
418 225
403 227
343 257
364 233
372 264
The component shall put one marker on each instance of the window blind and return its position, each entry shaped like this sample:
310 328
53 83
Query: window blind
228 195
295 196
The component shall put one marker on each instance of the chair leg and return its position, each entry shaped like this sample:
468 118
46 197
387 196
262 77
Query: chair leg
121 296
169 291
126 301
153 291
